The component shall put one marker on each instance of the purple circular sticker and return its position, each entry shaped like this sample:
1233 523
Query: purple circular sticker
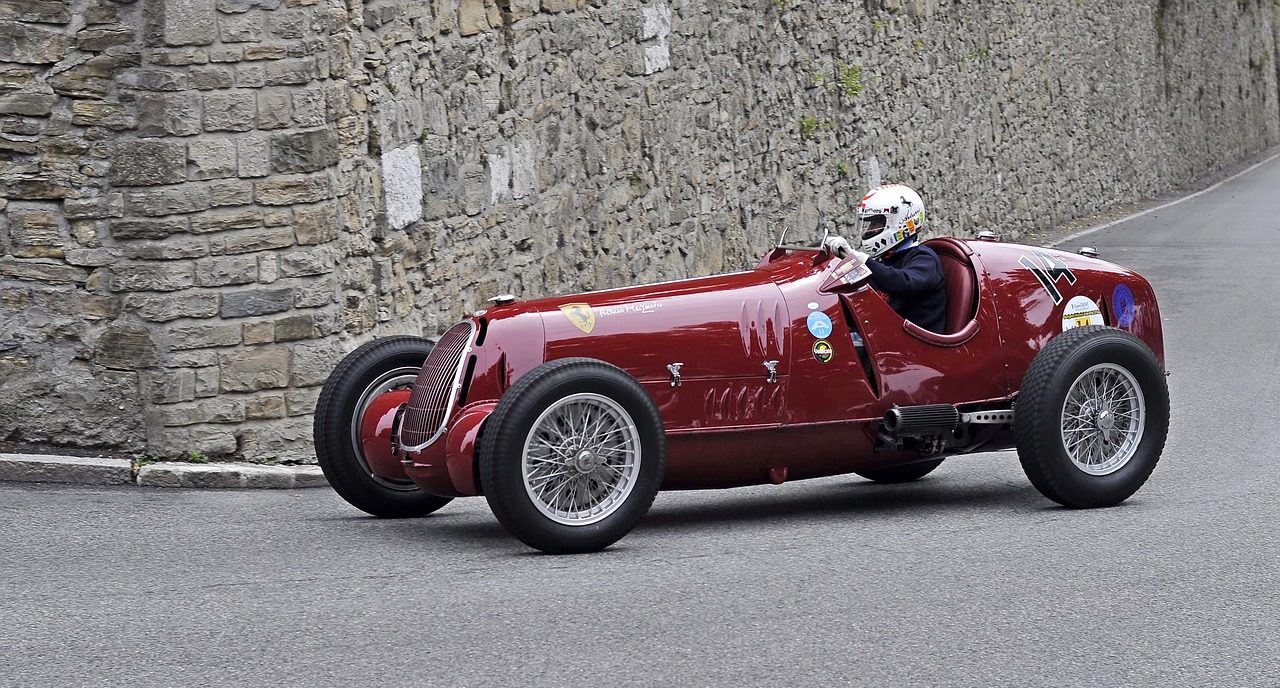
1122 306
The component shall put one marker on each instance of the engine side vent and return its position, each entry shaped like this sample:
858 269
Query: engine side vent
436 390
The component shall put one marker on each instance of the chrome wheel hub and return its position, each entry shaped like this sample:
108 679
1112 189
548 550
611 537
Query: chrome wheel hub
399 378
1103 418
581 459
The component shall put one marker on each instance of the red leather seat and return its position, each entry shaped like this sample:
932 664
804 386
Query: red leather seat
961 283
962 295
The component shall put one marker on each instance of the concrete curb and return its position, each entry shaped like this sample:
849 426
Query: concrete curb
73 470
76 470
229 475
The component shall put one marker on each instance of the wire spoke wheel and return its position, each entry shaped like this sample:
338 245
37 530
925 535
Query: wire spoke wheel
581 459
1103 417
1092 416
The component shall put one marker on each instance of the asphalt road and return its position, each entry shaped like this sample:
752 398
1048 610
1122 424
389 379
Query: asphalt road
966 578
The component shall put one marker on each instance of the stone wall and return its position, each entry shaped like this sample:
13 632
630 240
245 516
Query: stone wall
207 202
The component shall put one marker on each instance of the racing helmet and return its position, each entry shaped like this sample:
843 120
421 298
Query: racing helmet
891 217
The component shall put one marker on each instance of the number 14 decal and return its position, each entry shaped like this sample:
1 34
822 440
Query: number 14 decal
1048 271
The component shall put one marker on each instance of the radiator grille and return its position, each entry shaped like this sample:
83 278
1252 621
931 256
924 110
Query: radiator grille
435 390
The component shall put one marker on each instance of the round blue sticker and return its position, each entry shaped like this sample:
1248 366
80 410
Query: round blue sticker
1122 306
819 325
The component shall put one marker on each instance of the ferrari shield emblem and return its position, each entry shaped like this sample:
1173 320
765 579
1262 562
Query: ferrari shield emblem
581 315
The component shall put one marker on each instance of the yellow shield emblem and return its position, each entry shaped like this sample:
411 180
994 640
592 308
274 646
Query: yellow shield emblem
581 315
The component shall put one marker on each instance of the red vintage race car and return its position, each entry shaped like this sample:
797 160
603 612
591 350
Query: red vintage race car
570 413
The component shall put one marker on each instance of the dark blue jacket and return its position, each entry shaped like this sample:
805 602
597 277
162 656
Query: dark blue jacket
914 282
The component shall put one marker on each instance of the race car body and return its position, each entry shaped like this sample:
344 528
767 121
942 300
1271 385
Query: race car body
796 369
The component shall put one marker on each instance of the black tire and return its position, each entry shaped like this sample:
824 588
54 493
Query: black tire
1040 409
503 460
340 457
901 474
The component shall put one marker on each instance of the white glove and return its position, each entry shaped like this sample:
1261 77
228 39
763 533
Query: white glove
837 246
862 257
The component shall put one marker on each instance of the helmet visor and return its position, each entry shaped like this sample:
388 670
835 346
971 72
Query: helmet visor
871 226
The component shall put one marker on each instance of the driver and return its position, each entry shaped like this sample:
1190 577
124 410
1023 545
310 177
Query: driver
909 272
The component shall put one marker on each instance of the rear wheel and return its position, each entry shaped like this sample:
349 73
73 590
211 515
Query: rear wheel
379 367
1092 417
573 456
901 474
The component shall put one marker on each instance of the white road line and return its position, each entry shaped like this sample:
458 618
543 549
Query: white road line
1136 215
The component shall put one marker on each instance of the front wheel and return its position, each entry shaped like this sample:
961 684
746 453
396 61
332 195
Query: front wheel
379 367
573 456
1091 417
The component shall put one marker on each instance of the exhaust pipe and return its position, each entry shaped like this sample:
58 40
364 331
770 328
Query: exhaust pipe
930 419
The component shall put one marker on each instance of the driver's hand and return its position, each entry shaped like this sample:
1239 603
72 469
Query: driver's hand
837 246
862 257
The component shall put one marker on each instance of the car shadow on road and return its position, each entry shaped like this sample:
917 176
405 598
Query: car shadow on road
844 500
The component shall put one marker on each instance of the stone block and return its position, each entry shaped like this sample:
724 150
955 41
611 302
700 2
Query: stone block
317 224
224 192
169 276
220 271
254 302
241 6
167 201
42 271
265 51
250 370
261 332
168 114
212 77
273 110
147 229
189 22
230 111
91 257
157 308
309 107
93 113
318 293
254 156
172 385
180 57
292 72
216 410
175 249
35 234
250 75
214 441
203 336
304 263
313 361
289 190
268 268
28 43
207 381
147 162
211 158
36 11
307 151
290 23
264 407
94 207
295 327
473 18
103 36
226 53
252 241
225 220
301 402
125 346
241 28
155 79
29 104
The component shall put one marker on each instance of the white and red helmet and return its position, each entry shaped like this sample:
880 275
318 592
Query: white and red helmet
891 216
